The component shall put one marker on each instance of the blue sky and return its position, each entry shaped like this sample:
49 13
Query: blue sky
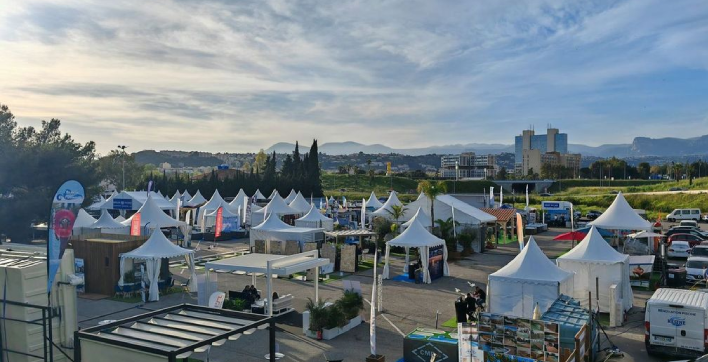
237 76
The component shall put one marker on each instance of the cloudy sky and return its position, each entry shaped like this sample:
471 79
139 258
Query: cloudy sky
242 75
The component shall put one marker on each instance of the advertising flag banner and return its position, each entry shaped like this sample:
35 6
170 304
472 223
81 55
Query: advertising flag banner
520 230
149 187
135 225
219 222
527 196
65 206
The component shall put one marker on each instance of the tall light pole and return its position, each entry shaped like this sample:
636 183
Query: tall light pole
457 174
122 148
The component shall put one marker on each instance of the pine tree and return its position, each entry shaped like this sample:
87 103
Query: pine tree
314 170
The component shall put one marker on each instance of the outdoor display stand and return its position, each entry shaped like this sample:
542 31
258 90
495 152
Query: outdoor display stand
420 344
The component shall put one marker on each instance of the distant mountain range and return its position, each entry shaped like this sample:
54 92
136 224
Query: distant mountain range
640 147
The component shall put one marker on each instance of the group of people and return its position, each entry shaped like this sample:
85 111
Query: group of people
466 305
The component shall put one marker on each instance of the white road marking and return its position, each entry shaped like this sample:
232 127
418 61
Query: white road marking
389 321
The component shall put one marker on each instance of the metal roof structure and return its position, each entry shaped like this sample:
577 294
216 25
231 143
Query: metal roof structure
177 331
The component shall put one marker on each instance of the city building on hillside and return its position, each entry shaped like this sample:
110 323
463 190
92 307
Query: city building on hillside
468 165
532 151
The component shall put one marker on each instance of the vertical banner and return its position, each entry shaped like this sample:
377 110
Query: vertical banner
501 196
149 187
219 222
527 196
135 225
520 230
363 213
491 197
65 205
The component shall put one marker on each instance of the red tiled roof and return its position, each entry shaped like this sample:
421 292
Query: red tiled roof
502 215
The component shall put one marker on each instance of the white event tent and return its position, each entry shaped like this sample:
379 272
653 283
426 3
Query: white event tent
176 198
153 251
134 200
373 201
272 194
196 200
186 196
276 206
421 217
259 196
384 211
213 204
315 219
594 258
275 229
238 202
621 216
528 279
108 225
83 220
209 219
154 218
464 213
416 236
299 204
291 196
97 205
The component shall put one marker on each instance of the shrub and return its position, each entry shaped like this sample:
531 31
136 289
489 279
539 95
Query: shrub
317 314
351 303
236 304
334 317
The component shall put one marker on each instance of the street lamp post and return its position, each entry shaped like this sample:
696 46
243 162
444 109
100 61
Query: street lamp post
122 147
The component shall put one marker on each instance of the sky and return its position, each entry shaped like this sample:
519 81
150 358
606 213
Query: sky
237 76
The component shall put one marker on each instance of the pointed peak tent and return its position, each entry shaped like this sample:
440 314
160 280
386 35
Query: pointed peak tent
259 196
106 221
272 194
594 248
97 205
373 201
272 222
421 196
291 196
387 206
621 216
175 198
300 204
186 196
417 236
83 220
239 200
528 279
315 219
420 216
152 216
278 206
196 200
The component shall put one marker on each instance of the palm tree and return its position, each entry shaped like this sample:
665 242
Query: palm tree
431 190
397 212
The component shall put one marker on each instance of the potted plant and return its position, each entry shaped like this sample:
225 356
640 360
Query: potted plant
334 320
317 316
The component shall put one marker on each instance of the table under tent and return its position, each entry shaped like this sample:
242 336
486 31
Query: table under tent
274 229
315 219
267 265
156 248
529 279
594 258
432 251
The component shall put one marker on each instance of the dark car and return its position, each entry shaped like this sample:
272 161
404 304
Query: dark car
593 214
700 250
686 230
692 240
545 194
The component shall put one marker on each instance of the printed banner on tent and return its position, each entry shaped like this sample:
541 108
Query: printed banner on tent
135 225
219 222
65 206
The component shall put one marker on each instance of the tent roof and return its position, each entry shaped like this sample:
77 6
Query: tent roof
272 194
215 201
299 203
503 215
273 223
373 201
259 195
416 236
386 208
83 219
106 221
175 198
532 265
196 200
466 208
291 196
314 215
186 196
280 264
226 213
421 217
593 248
139 197
151 214
621 216
237 202
422 195
97 205
157 246
278 206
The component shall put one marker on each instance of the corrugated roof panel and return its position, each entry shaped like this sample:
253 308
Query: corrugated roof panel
681 296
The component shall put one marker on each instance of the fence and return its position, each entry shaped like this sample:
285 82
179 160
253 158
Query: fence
45 322
582 346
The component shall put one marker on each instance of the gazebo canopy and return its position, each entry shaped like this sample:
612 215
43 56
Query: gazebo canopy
593 248
444 205
373 201
291 196
83 220
186 196
417 236
225 213
151 215
299 203
314 218
134 200
621 216
214 203
176 198
533 265
278 206
97 205
106 221
238 201
272 194
196 200
259 196
387 206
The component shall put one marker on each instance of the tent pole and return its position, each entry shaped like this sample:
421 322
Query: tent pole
317 284
269 288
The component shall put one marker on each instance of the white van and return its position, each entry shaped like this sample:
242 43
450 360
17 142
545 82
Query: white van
675 322
684 214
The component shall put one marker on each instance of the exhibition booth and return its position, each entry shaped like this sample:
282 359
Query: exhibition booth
432 251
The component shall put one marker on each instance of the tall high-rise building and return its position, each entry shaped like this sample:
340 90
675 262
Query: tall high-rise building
532 151
468 165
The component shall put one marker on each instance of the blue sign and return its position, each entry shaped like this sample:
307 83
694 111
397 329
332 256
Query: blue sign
550 205
122 204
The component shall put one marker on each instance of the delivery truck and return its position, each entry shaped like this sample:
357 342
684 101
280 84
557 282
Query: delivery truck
675 323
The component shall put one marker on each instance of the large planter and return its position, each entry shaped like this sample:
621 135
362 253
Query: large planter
376 358
328 334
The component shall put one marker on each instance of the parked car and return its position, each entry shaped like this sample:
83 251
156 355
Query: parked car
700 250
691 239
703 358
696 268
689 223
679 249
614 192
704 218
684 214
593 214
687 230
545 194
675 321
